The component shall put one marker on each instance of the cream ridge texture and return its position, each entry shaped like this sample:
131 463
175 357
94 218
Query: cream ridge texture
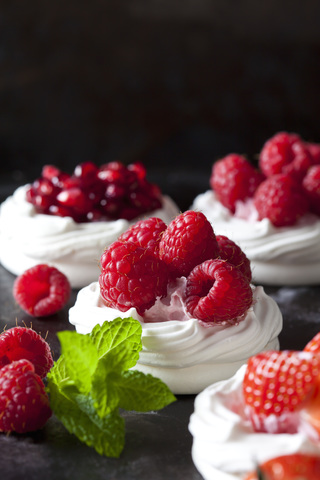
28 238
278 255
225 447
185 354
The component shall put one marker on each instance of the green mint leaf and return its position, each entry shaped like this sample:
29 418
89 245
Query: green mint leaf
142 393
106 435
103 391
121 337
80 356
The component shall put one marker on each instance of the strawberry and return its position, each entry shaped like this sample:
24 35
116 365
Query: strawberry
313 345
276 386
24 343
297 466
41 290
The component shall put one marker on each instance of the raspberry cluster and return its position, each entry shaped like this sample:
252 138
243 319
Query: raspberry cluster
93 193
285 186
25 359
137 268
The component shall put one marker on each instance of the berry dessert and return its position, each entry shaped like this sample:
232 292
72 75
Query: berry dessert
41 290
67 220
272 212
190 289
269 408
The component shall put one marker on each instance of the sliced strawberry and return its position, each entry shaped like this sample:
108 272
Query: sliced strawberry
314 344
297 466
276 386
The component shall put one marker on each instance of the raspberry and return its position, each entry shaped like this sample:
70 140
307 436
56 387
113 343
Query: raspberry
188 240
314 150
131 276
276 385
233 178
24 343
24 404
230 251
145 233
302 161
218 293
41 290
280 199
277 152
311 186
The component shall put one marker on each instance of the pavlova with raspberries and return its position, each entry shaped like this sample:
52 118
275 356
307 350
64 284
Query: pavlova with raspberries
190 290
272 212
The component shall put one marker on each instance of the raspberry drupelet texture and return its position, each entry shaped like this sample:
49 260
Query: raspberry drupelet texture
277 152
311 187
218 293
24 343
24 404
41 290
280 199
131 276
233 178
145 233
230 251
188 240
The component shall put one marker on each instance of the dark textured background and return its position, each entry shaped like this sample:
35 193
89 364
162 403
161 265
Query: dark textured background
173 83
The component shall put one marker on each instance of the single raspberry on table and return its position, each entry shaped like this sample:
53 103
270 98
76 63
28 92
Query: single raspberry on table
311 187
145 233
218 293
233 178
277 152
24 404
24 343
280 199
277 385
41 290
230 251
131 276
188 240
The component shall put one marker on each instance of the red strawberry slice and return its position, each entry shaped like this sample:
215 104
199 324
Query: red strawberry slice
314 344
297 466
276 386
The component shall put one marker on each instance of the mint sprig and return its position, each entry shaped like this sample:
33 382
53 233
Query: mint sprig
92 380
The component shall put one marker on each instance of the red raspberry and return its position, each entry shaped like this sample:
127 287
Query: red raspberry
314 150
230 251
281 199
146 233
41 290
24 404
24 343
218 293
278 384
233 178
302 161
131 276
277 152
311 186
188 240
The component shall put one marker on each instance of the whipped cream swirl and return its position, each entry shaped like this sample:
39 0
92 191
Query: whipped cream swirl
185 354
225 447
278 255
28 238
